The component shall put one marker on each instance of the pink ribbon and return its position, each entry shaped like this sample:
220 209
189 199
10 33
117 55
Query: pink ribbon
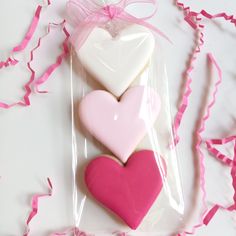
195 23
11 61
194 20
218 155
74 230
201 156
51 68
35 206
85 15
228 162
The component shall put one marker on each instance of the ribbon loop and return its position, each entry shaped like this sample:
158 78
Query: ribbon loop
87 14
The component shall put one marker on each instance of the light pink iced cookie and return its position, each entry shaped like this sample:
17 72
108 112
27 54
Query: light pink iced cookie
129 191
120 125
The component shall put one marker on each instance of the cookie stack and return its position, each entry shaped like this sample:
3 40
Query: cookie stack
129 181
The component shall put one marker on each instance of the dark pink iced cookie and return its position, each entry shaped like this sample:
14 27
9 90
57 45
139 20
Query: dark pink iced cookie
129 191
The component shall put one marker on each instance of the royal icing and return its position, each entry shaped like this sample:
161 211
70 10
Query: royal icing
120 124
129 191
116 61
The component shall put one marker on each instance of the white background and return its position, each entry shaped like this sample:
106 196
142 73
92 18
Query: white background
35 142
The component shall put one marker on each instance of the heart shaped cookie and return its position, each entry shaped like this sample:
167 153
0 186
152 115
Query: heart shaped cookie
129 191
116 62
120 125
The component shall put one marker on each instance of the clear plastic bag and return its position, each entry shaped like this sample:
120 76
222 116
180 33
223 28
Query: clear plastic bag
126 176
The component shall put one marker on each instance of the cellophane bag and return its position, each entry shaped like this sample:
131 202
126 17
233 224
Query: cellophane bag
126 176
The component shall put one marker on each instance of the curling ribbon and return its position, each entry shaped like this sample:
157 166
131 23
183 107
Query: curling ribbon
75 231
27 87
122 234
228 162
87 14
35 206
119 233
188 90
11 61
218 155
200 141
194 20
206 215
65 50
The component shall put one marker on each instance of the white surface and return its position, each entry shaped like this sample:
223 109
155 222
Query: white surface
35 141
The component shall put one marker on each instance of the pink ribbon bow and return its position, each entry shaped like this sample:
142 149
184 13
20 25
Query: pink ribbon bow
85 15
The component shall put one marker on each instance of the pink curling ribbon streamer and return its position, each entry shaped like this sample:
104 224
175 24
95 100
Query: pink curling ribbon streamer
199 28
87 14
78 232
11 61
200 142
42 79
188 90
75 231
218 155
228 162
194 20
65 51
35 206
119 233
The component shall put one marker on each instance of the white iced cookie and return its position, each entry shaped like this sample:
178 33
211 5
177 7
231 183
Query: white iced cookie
116 62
